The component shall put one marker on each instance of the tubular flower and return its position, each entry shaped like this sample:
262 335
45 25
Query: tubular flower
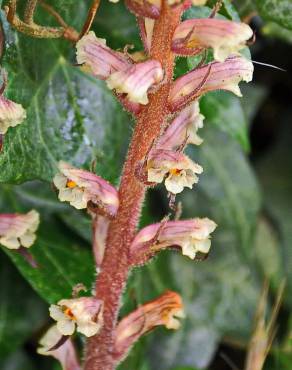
65 353
78 187
83 314
18 230
213 76
225 37
11 114
183 129
136 80
178 170
192 236
163 310
98 58
145 8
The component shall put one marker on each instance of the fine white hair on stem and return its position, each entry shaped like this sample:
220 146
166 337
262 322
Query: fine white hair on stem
269 65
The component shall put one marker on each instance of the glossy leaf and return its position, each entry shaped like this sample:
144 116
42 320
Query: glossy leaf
224 111
229 183
279 11
70 115
64 259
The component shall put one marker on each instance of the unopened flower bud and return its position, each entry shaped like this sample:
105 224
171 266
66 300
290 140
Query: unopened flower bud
136 80
192 236
100 228
11 114
18 230
178 170
225 37
183 129
213 76
146 27
98 58
164 310
65 354
84 314
78 187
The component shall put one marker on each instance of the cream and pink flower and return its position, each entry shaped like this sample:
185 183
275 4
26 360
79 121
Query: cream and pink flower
183 129
136 80
79 187
164 310
11 114
191 236
225 37
65 354
83 314
210 77
18 230
174 168
99 59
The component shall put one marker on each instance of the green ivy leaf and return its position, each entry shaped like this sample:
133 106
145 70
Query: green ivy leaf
229 183
267 250
18 360
279 11
21 311
224 111
119 34
274 30
70 115
64 259
63 263
274 171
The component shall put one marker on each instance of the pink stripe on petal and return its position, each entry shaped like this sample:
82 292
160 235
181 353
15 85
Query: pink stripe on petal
163 235
219 76
95 189
101 60
65 354
163 310
11 114
225 37
183 129
136 80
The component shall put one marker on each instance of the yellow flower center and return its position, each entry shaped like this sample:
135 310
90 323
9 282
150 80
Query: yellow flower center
71 184
193 43
68 312
174 171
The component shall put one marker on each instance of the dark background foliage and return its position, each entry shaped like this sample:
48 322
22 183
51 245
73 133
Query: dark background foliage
246 188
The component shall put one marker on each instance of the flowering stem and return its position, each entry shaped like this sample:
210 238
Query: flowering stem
115 267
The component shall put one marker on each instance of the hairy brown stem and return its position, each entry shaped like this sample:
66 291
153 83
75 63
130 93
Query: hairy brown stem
53 13
90 17
115 267
34 30
29 11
